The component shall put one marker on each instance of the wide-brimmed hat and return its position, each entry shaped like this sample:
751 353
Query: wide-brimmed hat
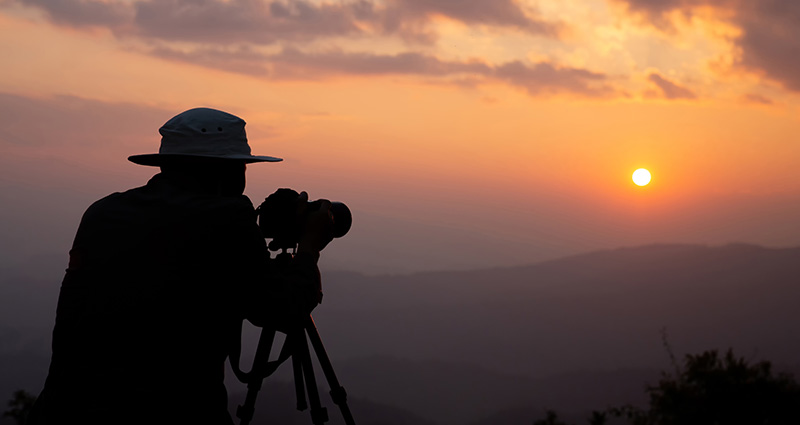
205 133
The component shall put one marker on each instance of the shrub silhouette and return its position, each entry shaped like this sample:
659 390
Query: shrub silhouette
551 418
19 406
710 389
723 390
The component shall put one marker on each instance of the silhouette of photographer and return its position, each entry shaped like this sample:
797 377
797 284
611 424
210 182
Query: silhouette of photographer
160 278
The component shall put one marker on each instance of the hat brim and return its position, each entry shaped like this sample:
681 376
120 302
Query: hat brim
158 159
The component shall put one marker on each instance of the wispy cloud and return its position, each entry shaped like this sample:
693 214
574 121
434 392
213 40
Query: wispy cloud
669 89
294 62
502 13
757 98
69 122
240 59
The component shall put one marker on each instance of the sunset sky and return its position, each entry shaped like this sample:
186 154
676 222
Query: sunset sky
462 133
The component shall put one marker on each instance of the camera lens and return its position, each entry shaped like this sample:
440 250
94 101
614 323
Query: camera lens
342 219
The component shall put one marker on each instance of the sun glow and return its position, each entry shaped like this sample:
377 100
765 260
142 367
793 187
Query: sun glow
641 177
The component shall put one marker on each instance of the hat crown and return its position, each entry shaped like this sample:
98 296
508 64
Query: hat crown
206 132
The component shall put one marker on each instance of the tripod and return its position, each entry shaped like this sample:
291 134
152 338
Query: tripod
296 347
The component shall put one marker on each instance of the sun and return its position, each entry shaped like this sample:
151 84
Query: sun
641 177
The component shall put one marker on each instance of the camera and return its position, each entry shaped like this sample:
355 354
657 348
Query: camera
281 219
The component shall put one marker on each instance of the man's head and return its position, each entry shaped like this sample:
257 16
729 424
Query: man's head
224 177
205 146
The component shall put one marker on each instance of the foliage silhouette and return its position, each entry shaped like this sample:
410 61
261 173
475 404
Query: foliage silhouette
551 418
711 389
19 406
723 390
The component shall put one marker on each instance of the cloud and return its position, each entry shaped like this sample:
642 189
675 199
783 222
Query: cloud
233 35
653 8
240 60
211 21
544 77
67 122
269 21
248 21
770 39
294 62
537 79
504 13
669 89
757 98
84 13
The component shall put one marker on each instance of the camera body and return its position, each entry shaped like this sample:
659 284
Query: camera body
282 219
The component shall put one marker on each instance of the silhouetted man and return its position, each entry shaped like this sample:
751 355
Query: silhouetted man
161 276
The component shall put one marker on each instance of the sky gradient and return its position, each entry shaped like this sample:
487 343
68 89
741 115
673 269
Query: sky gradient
462 133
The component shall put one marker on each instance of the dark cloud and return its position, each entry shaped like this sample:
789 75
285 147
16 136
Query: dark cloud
669 89
85 13
544 77
537 79
770 40
248 21
212 21
653 8
268 21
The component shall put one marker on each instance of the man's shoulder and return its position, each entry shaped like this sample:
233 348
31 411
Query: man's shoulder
161 202
165 196
107 202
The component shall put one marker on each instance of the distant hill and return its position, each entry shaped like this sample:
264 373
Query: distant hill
498 345
602 310
277 405
458 393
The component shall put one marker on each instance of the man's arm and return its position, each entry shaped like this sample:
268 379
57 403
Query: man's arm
292 284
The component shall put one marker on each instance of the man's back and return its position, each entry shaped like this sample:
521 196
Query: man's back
148 306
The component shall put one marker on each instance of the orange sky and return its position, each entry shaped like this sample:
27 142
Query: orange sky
463 133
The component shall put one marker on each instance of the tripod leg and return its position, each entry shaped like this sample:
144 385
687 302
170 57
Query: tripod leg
338 394
319 414
297 368
256 376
